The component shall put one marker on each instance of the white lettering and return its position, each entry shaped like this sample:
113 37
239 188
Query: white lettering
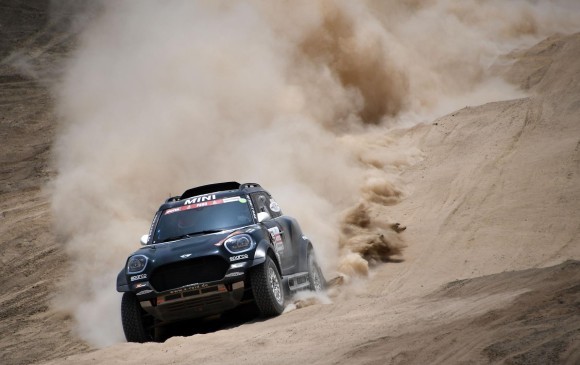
239 257
139 277
189 287
235 273
199 199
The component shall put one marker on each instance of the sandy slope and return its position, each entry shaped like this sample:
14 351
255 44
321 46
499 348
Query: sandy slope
514 201
496 192
31 259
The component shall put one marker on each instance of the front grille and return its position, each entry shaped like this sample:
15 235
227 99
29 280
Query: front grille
198 270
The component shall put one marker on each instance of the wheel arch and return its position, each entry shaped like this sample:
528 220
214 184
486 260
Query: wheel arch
304 246
264 249
122 285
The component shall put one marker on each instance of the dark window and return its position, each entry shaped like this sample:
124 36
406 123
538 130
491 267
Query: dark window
263 203
186 220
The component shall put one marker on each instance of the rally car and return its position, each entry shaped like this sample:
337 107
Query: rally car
210 250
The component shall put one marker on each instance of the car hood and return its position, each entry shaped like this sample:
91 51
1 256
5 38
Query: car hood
187 248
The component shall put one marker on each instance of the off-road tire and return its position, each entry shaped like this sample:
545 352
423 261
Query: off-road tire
267 288
134 323
315 277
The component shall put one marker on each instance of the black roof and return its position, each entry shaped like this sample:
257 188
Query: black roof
211 188
215 188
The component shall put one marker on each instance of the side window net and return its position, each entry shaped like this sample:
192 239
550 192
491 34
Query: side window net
264 203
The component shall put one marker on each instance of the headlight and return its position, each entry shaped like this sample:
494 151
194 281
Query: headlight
239 243
136 264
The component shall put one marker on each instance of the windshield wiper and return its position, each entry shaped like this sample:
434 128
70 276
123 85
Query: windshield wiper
175 238
208 231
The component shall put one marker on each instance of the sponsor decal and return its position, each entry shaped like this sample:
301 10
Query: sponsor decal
172 210
235 273
140 285
138 277
232 199
274 207
184 256
228 236
252 208
153 223
238 257
200 199
189 287
143 292
279 246
203 201
276 238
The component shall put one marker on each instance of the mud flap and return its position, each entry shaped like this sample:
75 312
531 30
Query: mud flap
295 282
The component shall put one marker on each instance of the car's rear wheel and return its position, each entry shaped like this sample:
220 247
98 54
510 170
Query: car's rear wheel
137 324
317 281
267 288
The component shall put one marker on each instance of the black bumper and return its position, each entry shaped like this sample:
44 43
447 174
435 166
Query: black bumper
197 303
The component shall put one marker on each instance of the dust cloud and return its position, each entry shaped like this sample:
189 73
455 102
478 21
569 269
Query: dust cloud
298 96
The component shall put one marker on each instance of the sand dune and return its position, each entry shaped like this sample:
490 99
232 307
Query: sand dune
514 202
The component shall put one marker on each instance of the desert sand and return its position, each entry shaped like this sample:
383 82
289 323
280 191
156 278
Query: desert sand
489 195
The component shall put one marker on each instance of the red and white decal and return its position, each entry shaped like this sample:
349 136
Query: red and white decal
276 238
228 236
172 210
188 205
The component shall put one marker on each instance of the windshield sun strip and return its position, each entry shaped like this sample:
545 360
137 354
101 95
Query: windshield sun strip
204 204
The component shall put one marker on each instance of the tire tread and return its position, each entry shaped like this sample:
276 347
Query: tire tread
262 294
131 317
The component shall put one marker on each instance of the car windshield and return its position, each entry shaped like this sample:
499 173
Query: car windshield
206 217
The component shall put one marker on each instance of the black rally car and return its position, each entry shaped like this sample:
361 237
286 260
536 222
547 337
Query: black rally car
210 250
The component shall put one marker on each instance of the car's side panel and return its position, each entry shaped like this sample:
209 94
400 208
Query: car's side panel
279 233
298 242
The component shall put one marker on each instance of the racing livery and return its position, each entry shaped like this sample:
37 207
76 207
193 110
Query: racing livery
210 250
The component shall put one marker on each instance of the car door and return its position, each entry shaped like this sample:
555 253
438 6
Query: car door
278 228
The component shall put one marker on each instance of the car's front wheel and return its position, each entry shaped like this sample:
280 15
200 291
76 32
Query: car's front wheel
137 324
267 288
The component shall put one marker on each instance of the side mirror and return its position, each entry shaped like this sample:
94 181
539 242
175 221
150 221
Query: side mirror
144 239
262 216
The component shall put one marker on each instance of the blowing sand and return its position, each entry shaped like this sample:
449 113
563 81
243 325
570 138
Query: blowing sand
487 269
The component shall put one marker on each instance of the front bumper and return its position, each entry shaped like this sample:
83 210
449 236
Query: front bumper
194 300
197 301
203 283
